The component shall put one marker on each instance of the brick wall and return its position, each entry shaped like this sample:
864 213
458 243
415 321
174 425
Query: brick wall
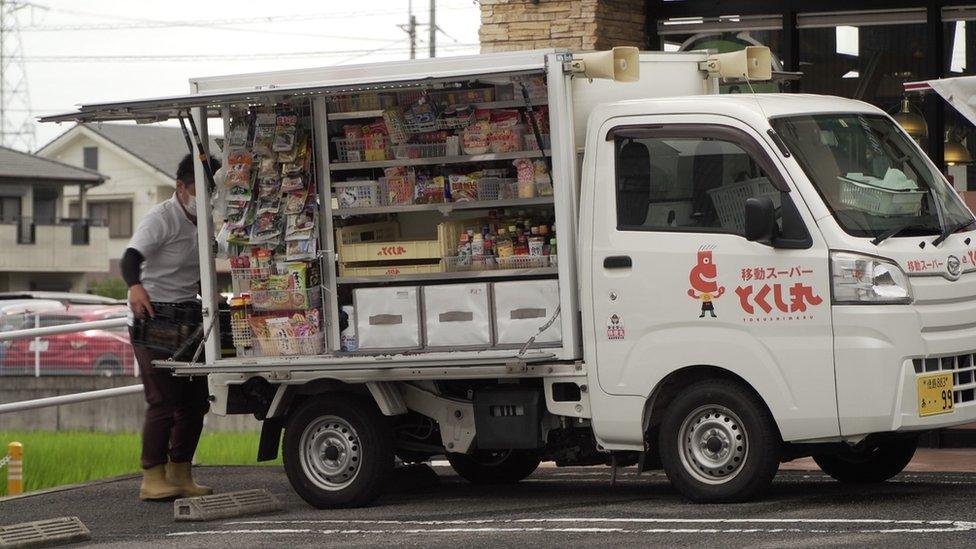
575 24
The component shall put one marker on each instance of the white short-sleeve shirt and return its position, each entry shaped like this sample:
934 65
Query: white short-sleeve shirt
167 239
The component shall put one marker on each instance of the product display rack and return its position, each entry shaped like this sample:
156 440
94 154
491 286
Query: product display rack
377 113
435 161
448 207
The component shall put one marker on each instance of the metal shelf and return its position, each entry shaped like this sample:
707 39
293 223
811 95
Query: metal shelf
354 115
461 275
447 207
462 159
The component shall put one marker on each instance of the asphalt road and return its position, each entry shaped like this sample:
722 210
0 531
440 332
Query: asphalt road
553 508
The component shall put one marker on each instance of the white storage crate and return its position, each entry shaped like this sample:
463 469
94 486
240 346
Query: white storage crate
387 318
522 307
359 194
457 315
730 200
862 195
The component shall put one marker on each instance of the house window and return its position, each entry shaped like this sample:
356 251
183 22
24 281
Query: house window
117 216
91 158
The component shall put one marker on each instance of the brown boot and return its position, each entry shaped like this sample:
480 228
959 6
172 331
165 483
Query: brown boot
179 475
155 487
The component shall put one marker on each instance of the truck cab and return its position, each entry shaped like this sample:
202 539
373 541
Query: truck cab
844 307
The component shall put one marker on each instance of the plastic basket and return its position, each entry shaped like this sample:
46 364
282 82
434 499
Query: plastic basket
362 149
286 300
359 194
420 150
523 262
241 333
290 346
879 201
461 263
497 188
730 200
455 123
241 277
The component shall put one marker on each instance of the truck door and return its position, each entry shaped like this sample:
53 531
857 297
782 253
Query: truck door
675 283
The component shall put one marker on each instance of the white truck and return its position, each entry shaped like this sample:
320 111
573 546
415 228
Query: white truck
741 279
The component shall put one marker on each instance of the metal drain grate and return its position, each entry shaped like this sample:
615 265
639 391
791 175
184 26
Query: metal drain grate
43 533
220 506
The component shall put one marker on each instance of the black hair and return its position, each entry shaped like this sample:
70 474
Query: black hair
184 172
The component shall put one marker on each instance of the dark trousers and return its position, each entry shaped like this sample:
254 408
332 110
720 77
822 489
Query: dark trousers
174 418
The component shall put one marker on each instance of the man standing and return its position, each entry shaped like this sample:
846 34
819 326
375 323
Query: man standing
161 265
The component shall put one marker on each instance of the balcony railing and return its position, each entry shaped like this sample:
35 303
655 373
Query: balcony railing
27 228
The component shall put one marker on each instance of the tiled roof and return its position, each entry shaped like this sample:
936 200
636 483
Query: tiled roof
21 165
161 147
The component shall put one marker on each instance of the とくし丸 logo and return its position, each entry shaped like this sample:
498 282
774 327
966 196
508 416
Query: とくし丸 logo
702 278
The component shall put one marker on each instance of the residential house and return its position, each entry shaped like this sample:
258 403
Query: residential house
140 162
39 248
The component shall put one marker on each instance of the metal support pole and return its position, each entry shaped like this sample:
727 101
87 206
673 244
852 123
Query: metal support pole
205 234
15 469
432 29
69 399
37 347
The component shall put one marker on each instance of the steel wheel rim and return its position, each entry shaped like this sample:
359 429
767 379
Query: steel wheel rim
713 444
330 453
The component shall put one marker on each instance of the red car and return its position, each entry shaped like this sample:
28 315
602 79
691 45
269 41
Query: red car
99 352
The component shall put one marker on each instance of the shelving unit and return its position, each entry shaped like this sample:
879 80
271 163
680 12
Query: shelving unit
436 161
448 207
463 275
515 104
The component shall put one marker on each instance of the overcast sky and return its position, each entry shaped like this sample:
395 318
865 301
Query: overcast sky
140 48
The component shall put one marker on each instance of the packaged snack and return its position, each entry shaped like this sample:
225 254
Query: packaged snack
300 226
264 133
269 187
295 202
237 136
262 257
462 188
296 250
259 328
240 262
298 271
267 167
284 137
238 214
239 236
352 131
292 184
281 282
238 168
474 139
266 228
505 138
429 190
269 204
280 330
297 151
399 186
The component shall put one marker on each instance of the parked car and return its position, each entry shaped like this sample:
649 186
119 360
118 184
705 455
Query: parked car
66 298
102 352
17 314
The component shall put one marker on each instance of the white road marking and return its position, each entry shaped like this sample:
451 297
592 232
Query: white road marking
498 526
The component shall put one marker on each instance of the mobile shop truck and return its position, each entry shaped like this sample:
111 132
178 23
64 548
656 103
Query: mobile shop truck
739 280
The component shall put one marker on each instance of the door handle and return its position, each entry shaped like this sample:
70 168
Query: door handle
617 262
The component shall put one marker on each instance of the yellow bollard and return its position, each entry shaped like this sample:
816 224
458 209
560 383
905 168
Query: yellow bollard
15 469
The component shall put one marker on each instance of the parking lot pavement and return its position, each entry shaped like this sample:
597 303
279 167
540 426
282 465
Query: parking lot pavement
555 507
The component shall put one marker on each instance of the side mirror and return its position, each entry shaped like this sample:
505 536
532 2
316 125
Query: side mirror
760 220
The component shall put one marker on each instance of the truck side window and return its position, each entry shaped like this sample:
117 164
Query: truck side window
685 183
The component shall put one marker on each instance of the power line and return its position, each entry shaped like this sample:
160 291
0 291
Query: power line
222 57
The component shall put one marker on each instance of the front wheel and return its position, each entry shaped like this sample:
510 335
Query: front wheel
876 462
494 466
337 451
719 443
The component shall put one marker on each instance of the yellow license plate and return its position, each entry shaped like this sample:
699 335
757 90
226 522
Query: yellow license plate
935 394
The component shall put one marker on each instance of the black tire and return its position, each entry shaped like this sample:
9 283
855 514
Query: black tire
738 443
360 451
494 467
876 462
108 366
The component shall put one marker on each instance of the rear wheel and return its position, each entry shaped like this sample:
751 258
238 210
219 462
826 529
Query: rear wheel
718 443
494 466
875 462
108 366
337 451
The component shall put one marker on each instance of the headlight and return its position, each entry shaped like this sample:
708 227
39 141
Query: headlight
865 279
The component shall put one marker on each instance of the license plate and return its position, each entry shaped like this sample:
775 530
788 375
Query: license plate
38 345
935 394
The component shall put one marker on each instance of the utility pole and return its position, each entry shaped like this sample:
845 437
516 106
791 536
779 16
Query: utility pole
16 123
432 29
411 29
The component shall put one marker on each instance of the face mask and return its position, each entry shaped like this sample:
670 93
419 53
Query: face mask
191 205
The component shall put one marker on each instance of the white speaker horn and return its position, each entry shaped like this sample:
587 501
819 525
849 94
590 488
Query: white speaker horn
754 63
621 64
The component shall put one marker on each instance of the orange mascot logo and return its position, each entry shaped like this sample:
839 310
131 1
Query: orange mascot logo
704 287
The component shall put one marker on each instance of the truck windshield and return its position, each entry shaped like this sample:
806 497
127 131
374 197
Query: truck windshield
872 177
